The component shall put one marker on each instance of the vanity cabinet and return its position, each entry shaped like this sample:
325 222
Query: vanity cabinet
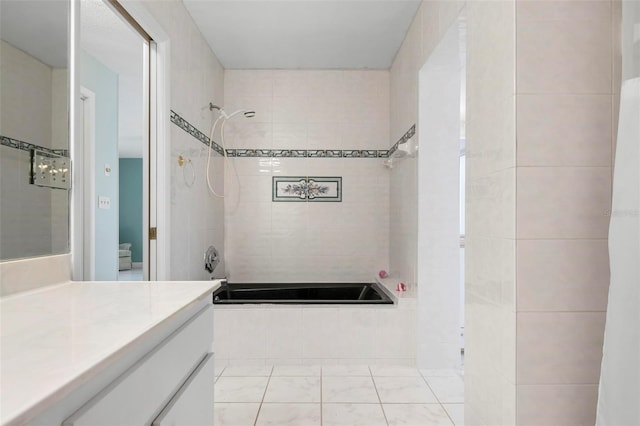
160 380
108 353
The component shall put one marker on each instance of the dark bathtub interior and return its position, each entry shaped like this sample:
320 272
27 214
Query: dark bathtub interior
302 293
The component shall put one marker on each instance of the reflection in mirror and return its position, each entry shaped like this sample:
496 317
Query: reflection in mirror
34 91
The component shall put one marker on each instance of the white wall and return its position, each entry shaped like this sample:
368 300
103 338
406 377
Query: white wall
196 78
102 81
439 206
328 241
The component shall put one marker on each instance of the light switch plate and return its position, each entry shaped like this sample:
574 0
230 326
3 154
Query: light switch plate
104 203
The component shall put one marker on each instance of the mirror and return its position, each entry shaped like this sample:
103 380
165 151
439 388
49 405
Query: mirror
34 113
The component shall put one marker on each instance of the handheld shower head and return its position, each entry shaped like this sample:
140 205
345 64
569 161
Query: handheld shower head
249 114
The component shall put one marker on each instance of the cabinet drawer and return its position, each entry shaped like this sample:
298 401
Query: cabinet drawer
193 403
138 395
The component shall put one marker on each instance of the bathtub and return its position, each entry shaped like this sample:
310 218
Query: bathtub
303 293
250 332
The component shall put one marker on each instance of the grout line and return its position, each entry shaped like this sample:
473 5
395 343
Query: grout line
321 401
378 395
437 399
263 395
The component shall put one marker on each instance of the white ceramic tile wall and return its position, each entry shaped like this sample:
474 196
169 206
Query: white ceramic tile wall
490 317
298 335
27 113
197 218
327 242
565 124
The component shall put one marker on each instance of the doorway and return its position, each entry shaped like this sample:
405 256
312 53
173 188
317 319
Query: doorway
115 85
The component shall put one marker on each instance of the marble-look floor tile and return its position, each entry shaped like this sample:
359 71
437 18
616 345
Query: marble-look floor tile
456 413
394 371
240 389
353 415
416 415
235 414
219 369
247 371
349 389
441 373
296 371
293 389
447 389
289 415
346 370
404 390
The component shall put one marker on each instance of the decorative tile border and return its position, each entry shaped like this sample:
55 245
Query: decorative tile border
26 146
291 153
191 129
306 189
404 139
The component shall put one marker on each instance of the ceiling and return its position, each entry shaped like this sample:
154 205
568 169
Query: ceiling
304 34
37 27
113 42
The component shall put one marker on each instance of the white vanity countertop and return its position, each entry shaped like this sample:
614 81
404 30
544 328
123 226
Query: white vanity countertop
54 339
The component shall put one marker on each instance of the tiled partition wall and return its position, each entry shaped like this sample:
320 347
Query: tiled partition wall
537 209
567 81
197 218
343 111
432 20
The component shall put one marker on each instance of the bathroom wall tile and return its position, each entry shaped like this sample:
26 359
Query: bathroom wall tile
346 370
289 83
283 333
356 323
325 82
560 348
580 51
248 83
289 109
491 204
366 83
562 275
323 136
540 10
247 134
290 136
564 130
253 166
563 202
319 341
557 405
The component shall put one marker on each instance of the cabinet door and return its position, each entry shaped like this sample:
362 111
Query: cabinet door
139 394
193 403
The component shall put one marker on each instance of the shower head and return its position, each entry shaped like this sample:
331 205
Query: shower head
249 114
212 107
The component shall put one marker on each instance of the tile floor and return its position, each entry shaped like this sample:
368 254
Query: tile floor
134 274
346 395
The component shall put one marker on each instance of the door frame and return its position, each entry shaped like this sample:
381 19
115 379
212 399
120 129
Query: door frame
156 166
